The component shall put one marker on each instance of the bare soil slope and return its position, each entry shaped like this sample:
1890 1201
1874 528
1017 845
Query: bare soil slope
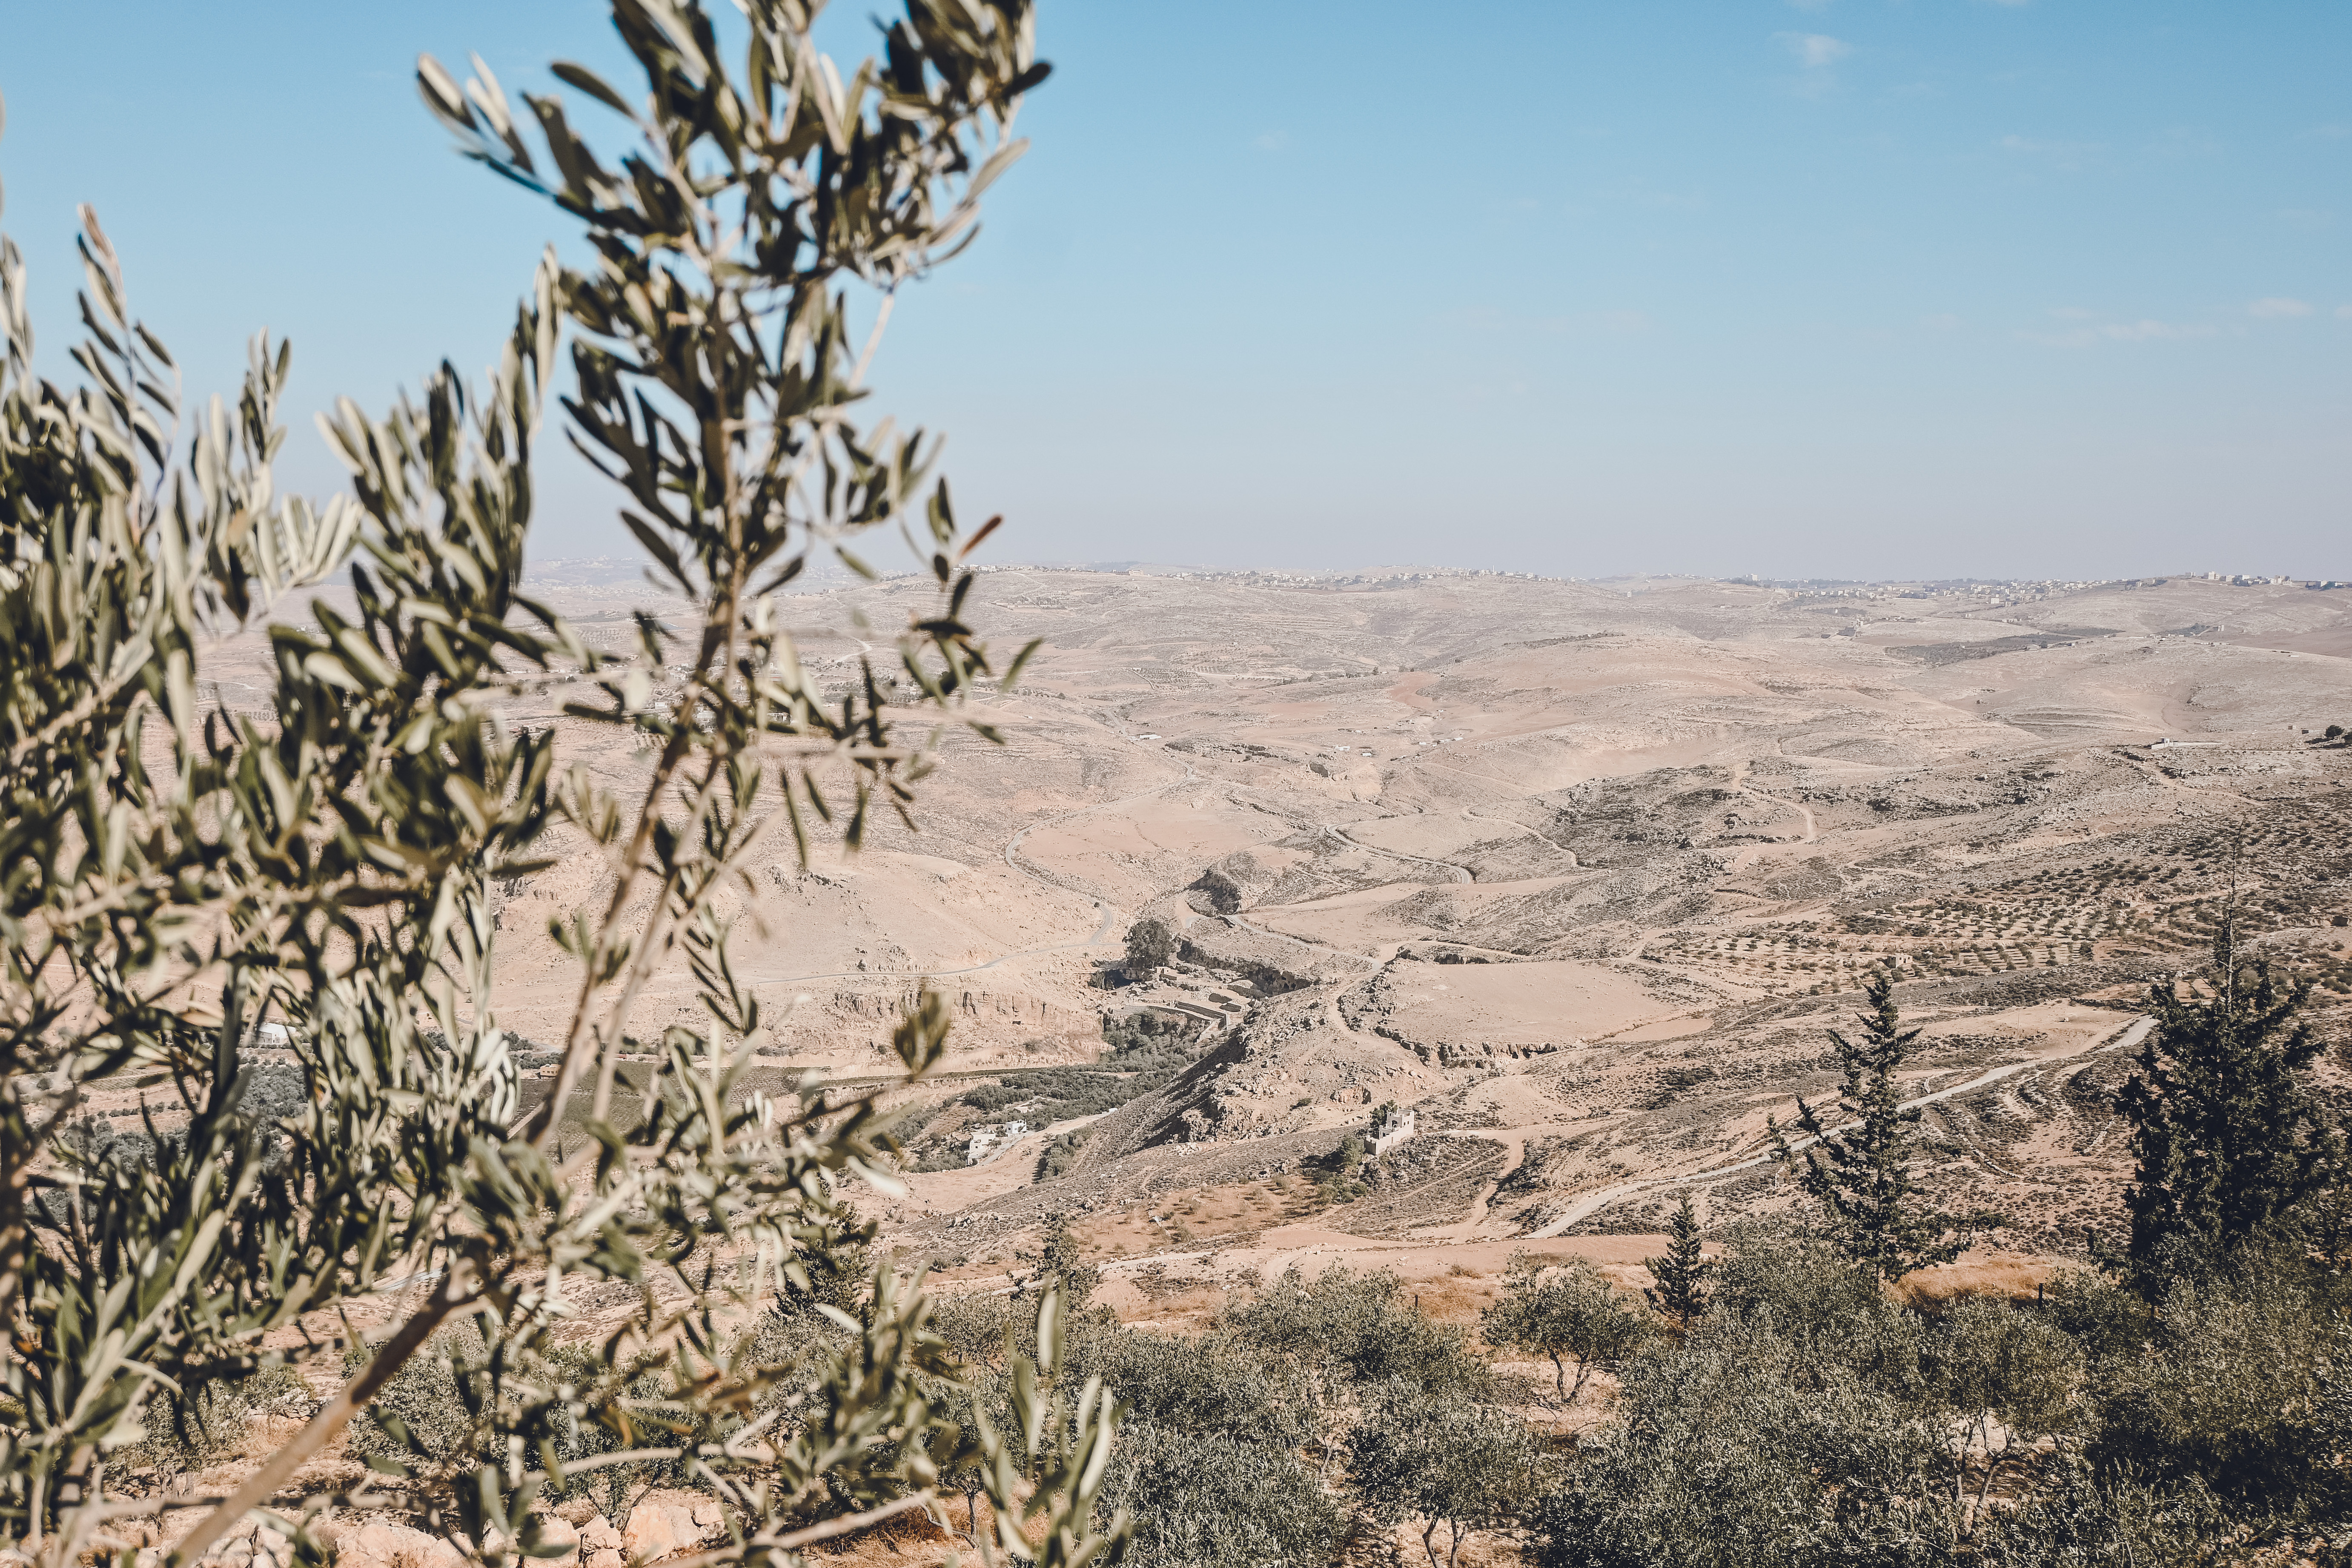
1581 872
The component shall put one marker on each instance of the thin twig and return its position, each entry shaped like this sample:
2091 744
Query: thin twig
457 1292
872 339
827 1530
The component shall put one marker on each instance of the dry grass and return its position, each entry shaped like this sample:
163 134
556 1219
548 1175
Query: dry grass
1205 1214
2010 1276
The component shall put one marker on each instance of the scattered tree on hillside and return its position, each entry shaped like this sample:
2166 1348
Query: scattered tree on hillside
833 1272
1819 1419
2006 1374
182 873
1150 944
1060 1156
974 1400
1209 1460
1439 1455
1341 1333
2230 1145
1681 1274
1566 1313
1221 1499
1859 1176
1059 1265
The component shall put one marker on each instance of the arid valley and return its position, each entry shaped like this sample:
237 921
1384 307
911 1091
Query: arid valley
1579 873
1498 915
886 797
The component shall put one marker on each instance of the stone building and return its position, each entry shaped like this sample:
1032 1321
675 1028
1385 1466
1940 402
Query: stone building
987 1140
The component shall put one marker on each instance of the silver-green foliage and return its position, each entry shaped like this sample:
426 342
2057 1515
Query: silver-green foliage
1567 1312
179 872
1340 1338
1740 1449
1209 1464
1440 1456
1809 1418
1221 1499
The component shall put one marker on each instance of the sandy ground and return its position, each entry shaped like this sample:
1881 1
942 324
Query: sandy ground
1582 873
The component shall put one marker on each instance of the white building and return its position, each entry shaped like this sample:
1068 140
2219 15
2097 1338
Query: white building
987 1140
1390 1131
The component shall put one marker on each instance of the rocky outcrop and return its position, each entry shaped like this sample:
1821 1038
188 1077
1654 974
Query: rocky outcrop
667 1523
1595 914
1270 964
381 1543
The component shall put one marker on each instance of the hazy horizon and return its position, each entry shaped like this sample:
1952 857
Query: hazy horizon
2004 291
583 570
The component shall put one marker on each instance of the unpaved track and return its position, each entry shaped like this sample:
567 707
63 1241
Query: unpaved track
1594 1203
1514 1140
1460 873
1044 879
1305 941
1470 815
1754 852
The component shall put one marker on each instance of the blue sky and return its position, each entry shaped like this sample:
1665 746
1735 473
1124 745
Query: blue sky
1854 289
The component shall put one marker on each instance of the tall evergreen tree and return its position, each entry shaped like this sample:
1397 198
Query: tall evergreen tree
1681 1289
1860 1173
2230 1142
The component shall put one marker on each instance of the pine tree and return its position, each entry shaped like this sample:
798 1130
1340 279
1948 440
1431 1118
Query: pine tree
1681 1289
2230 1142
1861 1175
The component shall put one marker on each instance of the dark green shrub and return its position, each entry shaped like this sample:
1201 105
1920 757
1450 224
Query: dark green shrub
978 1328
1205 1385
1219 1500
424 1420
2109 1322
1440 1458
2084 1516
1782 1283
1343 1332
1744 1450
2231 1390
1566 1313
187 1432
1061 1156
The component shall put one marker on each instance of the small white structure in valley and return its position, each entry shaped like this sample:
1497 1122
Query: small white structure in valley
987 1140
1391 1127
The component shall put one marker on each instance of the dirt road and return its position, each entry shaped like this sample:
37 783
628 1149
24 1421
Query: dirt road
1594 1203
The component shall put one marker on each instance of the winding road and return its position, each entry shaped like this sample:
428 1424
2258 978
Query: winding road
1750 855
1309 943
1594 1203
1012 859
1462 873
1470 815
1515 1154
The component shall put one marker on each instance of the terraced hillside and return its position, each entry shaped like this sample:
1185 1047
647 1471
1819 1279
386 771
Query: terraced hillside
1581 872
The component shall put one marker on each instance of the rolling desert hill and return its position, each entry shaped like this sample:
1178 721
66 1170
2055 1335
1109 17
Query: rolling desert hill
1581 873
